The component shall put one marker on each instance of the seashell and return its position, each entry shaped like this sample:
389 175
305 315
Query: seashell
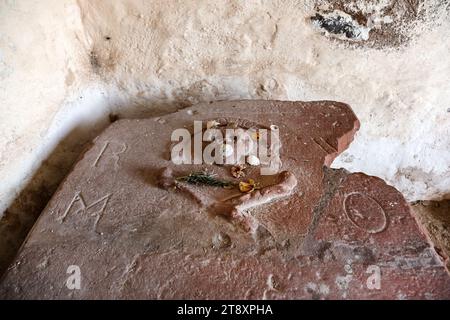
212 124
227 150
253 160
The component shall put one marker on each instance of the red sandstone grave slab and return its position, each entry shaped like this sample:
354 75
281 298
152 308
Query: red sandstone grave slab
329 238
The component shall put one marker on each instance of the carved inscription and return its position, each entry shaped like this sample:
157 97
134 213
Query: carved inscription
112 149
365 212
83 207
324 145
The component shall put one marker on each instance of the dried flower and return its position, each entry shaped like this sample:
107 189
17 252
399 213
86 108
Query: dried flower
247 186
238 171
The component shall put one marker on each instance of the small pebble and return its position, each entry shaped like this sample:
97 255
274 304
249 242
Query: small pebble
221 240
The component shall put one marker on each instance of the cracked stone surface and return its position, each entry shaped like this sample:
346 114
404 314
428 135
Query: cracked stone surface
434 215
336 235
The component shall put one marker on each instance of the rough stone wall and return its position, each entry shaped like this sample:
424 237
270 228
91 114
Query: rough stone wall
65 66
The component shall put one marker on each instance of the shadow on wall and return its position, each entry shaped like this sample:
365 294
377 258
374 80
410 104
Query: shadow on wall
21 215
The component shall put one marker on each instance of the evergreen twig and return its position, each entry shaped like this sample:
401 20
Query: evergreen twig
205 179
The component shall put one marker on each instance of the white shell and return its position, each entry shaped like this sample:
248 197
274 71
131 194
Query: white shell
274 127
212 124
227 150
253 160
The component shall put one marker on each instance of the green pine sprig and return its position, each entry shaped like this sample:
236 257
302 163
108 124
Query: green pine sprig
205 179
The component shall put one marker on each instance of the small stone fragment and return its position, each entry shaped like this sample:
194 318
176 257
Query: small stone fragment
221 240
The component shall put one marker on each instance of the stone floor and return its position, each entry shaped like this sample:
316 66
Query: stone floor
123 225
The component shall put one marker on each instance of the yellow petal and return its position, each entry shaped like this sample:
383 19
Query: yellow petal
246 187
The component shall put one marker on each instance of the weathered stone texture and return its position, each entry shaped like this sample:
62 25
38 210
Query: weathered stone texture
329 239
